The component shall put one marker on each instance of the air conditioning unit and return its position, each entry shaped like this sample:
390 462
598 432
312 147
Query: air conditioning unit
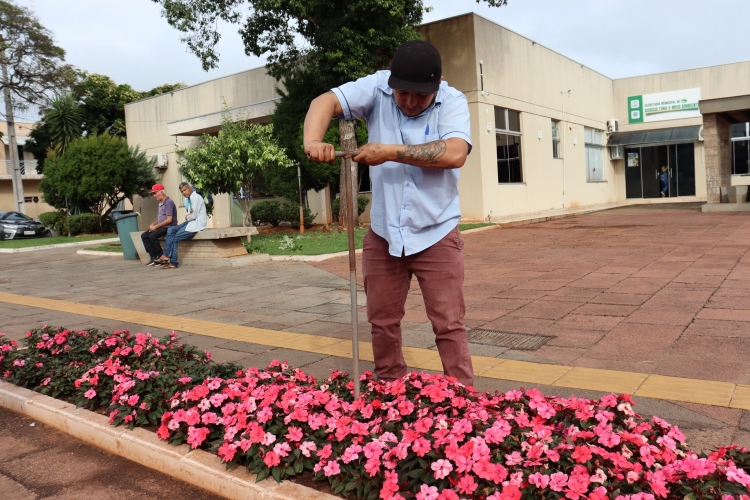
613 125
616 152
161 160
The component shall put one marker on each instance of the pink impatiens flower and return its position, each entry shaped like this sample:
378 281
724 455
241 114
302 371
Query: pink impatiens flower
427 492
558 481
271 459
91 393
332 468
196 435
441 468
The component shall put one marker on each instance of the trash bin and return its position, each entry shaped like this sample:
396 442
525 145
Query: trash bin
126 222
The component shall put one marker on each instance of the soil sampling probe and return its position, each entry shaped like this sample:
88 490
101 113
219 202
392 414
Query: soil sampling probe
351 206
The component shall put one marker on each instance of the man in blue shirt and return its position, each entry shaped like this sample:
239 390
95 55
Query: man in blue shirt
419 137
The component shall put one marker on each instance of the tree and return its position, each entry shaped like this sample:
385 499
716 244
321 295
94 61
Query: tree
102 104
64 117
31 68
95 174
233 160
311 45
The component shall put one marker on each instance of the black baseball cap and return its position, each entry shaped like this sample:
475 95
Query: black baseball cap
416 67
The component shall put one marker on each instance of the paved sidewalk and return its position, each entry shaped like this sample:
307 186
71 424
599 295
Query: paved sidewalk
39 462
658 289
610 287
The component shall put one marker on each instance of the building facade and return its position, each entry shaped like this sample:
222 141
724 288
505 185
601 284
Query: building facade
30 178
549 134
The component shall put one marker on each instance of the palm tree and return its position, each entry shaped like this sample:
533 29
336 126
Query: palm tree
64 117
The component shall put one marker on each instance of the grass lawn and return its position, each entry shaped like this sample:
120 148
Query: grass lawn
310 243
113 247
314 242
52 240
466 227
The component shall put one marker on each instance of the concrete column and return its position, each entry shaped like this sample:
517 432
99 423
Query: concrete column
222 216
716 132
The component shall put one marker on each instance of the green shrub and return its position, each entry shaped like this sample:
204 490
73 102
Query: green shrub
55 220
362 202
49 219
266 212
290 213
83 224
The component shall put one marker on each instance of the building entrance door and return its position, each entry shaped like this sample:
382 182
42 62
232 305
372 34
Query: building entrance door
643 166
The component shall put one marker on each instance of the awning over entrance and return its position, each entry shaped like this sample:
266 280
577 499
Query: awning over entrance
659 136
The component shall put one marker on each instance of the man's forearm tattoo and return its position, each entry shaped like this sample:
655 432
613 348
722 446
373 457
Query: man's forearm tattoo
429 153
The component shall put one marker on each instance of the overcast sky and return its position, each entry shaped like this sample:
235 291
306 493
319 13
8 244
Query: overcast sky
129 41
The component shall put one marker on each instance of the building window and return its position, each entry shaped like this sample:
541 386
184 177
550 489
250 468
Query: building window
556 152
508 141
594 140
741 148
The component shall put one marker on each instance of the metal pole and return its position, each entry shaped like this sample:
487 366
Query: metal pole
349 165
562 100
15 165
301 206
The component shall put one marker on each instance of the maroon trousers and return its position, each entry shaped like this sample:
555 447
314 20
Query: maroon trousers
440 273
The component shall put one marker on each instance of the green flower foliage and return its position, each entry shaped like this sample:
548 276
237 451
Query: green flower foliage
232 161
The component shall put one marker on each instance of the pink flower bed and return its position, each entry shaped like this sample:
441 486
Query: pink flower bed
425 437
430 438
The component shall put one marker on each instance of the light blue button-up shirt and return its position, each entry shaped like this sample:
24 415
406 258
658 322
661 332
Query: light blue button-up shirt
412 207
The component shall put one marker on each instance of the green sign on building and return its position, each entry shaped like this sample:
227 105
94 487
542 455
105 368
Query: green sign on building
673 105
635 109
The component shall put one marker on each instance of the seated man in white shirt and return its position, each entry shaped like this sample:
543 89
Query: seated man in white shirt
195 221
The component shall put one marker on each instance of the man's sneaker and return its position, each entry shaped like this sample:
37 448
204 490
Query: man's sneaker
152 262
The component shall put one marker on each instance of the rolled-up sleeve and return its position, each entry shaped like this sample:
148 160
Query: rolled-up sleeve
454 119
357 98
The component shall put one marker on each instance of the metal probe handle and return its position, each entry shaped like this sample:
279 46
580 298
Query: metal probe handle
345 154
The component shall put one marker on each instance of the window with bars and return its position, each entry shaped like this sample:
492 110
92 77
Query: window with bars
594 140
556 129
508 142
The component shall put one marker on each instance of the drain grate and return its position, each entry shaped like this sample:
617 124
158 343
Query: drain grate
523 341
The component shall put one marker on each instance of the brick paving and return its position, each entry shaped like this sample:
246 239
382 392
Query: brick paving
653 289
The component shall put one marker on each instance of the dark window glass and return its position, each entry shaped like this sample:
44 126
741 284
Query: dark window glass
740 157
514 123
739 130
17 216
500 119
508 159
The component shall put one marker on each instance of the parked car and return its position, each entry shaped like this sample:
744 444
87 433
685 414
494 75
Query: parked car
15 225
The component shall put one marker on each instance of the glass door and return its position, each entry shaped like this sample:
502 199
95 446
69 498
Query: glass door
633 184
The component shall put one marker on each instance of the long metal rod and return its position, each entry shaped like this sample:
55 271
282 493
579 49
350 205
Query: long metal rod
350 207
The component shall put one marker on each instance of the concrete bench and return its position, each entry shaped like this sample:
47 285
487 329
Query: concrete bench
210 247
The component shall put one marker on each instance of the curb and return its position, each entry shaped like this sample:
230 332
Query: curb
60 245
313 258
197 467
96 252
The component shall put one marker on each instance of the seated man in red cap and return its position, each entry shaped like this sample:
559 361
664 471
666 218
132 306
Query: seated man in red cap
166 219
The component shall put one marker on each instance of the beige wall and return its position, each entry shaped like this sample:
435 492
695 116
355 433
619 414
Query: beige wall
524 76
147 127
30 189
714 81
518 74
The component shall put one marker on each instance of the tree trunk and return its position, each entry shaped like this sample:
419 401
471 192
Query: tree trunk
348 141
15 165
245 205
